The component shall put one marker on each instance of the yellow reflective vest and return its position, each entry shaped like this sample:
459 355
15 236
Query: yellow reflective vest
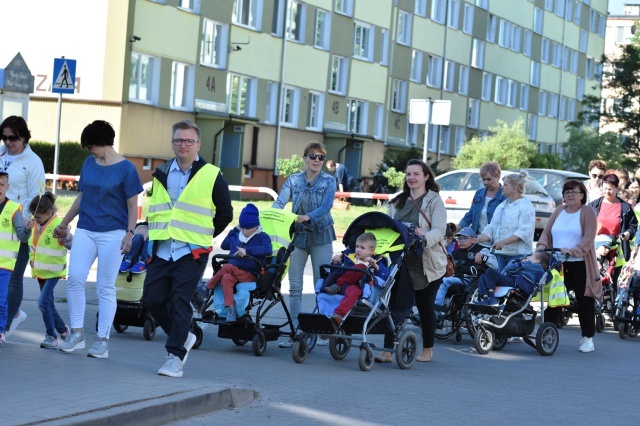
9 242
191 218
48 257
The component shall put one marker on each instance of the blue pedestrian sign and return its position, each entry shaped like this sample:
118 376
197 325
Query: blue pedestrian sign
64 76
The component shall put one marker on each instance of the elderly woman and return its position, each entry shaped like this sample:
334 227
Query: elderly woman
486 200
311 193
512 226
572 229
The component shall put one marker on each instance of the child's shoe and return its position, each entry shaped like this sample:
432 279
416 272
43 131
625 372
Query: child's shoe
138 268
49 342
336 320
231 315
332 289
64 334
484 300
491 300
125 266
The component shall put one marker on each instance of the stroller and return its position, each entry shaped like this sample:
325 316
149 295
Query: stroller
515 317
372 313
454 315
627 314
263 294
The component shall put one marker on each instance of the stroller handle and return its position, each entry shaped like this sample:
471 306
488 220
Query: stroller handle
218 259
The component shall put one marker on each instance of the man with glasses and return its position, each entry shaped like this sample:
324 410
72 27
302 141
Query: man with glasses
190 205
471 261
597 169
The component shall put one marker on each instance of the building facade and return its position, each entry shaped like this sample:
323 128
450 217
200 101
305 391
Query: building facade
262 78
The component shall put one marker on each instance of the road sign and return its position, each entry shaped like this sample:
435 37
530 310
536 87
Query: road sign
64 76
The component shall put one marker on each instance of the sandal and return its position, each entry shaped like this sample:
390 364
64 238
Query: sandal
382 358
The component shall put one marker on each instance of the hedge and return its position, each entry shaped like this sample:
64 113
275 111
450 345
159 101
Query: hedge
70 158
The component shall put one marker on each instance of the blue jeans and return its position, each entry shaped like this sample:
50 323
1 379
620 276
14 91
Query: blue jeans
447 282
5 274
15 291
320 255
138 249
504 259
52 320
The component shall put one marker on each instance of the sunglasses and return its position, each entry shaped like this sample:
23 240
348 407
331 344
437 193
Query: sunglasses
10 138
597 176
320 157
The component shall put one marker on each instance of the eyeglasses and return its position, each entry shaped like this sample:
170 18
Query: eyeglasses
10 138
317 156
596 176
187 142
571 193
461 238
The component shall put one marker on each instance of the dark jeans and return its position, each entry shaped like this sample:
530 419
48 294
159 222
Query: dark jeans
52 320
15 290
575 278
168 290
138 250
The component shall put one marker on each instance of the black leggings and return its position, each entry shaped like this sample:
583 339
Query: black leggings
575 278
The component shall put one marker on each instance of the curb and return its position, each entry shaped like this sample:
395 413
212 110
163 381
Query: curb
160 410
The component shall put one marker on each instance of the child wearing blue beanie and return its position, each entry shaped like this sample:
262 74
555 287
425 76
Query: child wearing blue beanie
246 239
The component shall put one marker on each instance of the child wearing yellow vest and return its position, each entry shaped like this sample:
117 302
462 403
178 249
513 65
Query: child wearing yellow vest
48 256
12 231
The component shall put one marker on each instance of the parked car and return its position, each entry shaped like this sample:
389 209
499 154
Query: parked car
553 180
458 187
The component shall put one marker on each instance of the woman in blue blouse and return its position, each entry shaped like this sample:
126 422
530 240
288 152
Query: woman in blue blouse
485 200
311 193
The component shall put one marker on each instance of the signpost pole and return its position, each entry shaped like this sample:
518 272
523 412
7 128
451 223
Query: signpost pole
426 131
56 155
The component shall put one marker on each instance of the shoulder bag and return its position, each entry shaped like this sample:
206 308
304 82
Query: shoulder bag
451 266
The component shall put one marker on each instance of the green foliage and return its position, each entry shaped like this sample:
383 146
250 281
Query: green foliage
70 158
289 166
546 161
398 158
395 177
507 145
586 144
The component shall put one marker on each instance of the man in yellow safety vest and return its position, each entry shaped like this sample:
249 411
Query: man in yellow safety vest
189 206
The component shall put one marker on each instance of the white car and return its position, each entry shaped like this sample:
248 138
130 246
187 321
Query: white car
458 187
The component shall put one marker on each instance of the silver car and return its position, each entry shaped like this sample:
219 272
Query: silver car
458 187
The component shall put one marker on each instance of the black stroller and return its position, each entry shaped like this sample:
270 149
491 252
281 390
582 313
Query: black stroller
372 314
627 314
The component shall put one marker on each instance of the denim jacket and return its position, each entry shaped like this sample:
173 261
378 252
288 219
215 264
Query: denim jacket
472 218
321 197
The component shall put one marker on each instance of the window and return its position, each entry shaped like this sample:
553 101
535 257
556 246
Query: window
363 42
445 137
434 71
142 84
593 21
577 12
501 91
487 82
357 116
412 134
580 88
276 20
271 104
420 8
602 24
571 110
524 97
190 5
562 113
344 7
384 47
399 96
538 17
315 110
463 80
512 93
527 43
248 13
338 75
477 54
290 102
416 66
584 39
404 28
566 59
449 76
482 4
569 10
491 29
548 5
459 139
296 21
473 114
181 95
377 127
598 72
532 127
438 9
241 95
432 142
505 34
322 36
553 105
542 103
534 78
557 55
146 164
454 14
467 25
516 35
544 50
214 44
559 9
588 70
574 62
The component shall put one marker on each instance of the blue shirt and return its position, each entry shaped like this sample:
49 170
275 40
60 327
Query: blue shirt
105 191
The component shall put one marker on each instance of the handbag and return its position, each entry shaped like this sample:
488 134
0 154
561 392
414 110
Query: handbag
451 265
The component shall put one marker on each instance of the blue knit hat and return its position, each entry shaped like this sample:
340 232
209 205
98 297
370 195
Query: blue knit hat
249 217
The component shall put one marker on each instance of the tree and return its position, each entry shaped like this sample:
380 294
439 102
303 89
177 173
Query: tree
508 145
586 144
289 166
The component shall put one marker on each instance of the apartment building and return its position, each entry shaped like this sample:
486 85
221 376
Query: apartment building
262 78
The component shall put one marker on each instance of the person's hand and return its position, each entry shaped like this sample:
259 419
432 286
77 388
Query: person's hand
125 245
372 262
625 236
565 251
303 218
30 224
479 257
336 258
240 252
60 231
419 231
499 245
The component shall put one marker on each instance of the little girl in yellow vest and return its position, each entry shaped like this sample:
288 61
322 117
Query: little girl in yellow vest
48 256
12 231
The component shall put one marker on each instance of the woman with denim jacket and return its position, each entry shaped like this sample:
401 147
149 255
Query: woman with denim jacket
311 193
485 200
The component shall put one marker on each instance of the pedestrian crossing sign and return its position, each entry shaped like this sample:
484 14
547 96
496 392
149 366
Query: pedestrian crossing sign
64 76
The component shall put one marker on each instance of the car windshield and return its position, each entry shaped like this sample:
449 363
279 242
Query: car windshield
533 187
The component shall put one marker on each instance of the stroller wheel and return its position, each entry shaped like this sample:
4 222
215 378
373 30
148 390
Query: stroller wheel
623 332
616 325
120 328
547 339
483 340
299 351
500 342
457 338
339 347
239 342
259 344
312 340
197 331
599 323
149 330
407 349
365 359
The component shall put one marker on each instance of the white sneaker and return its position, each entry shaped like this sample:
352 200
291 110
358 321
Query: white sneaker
73 341
322 342
172 367
188 344
587 345
582 340
22 315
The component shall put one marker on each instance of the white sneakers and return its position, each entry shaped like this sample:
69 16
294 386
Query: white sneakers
173 366
22 315
586 345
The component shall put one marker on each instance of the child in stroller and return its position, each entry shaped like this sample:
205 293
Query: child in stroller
347 282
